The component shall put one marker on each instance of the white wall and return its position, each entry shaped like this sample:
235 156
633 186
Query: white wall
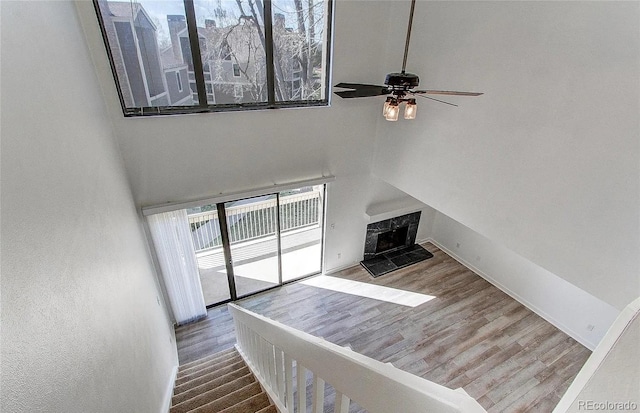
180 158
546 163
574 311
82 330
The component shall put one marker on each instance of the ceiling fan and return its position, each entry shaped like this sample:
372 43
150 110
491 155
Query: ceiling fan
397 86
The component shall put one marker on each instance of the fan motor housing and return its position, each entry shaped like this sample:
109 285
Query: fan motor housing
402 81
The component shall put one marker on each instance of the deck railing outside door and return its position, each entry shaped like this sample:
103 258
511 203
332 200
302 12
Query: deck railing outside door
248 222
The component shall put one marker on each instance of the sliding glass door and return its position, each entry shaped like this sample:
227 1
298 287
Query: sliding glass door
253 240
249 245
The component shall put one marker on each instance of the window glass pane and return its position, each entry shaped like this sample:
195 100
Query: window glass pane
299 37
231 40
253 243
151 54
151 59
301 218
207 243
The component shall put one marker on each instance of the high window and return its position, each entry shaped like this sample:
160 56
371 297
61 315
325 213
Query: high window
275 51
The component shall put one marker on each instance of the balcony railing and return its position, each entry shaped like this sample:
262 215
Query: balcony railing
257 220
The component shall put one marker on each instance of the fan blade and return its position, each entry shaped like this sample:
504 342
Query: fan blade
360 90
355 86
447 92
361 93
437 100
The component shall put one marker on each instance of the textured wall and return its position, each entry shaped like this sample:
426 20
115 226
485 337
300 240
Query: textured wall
178 158
83 329
546 163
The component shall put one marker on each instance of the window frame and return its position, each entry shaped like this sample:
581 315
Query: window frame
179 80
203 106
233 68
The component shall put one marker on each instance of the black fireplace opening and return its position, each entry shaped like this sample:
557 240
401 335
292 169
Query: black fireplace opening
391 240
390 245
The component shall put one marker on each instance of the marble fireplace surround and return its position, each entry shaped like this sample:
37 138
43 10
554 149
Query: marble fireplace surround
376 228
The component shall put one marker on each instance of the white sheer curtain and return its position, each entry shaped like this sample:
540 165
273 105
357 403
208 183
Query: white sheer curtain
171 235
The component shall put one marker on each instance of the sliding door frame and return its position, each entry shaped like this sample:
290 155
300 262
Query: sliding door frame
226 248
226 240
278 239
226 244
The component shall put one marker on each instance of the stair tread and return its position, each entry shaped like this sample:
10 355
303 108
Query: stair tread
217 382
201 379
208 366
220 354
213 394
236 398
269 409
252 404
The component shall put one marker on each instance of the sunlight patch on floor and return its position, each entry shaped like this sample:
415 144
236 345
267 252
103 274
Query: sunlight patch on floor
376 292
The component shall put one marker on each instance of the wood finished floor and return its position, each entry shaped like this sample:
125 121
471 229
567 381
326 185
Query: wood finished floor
472 335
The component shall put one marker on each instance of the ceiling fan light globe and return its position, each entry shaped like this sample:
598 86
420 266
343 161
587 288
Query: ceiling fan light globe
410 109
385 108
392 113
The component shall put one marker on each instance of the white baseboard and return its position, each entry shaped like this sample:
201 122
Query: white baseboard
561 326
340 268
166 406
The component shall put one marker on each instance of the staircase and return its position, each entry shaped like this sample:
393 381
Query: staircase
220 383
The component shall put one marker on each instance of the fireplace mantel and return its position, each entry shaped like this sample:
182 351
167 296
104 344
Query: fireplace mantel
393 208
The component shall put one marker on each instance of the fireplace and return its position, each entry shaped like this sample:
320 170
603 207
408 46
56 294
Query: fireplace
392 240
391 234
390 245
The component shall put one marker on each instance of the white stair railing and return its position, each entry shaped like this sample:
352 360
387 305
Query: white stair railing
274 352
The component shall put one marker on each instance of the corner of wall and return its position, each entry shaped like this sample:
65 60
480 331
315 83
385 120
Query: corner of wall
574 311
608 376
166 404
